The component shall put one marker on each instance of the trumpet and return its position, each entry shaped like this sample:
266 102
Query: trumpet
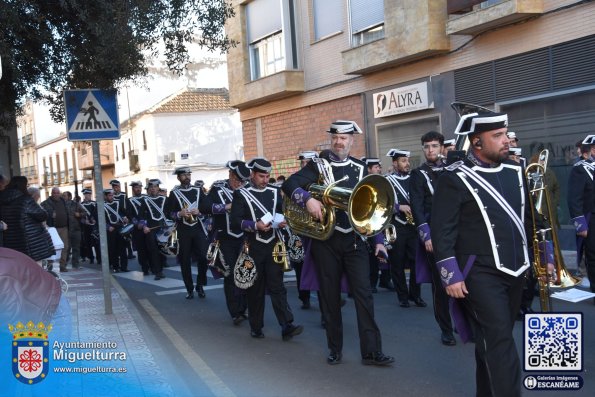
280 255
189 217
409 218
390 233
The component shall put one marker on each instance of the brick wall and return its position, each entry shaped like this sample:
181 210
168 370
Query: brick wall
285 134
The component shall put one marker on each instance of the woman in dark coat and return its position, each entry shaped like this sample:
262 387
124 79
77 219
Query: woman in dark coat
26 232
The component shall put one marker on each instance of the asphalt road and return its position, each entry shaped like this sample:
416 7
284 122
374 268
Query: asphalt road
214 357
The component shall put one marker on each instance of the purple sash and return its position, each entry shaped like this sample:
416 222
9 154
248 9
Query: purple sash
309 280
422 267
458 311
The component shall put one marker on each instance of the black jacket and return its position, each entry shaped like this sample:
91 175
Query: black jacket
26 232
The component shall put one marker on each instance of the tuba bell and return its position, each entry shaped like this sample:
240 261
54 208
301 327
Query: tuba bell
369 207
538 196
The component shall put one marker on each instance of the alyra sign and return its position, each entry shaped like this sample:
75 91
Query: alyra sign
401 100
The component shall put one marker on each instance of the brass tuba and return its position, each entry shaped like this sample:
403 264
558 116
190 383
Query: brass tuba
561 277
369 207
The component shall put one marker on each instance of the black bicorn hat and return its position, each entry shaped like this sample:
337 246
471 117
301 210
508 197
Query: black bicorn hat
259 164
153 182
239 168
114 182
307 155
136 183
199 183
371 161
108 191
344 127
589 140
450 142
86 191
480 122
182 170
396 153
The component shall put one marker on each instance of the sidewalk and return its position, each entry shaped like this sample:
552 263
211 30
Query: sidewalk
86 344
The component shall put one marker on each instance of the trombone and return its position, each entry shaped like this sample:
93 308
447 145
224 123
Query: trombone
535 176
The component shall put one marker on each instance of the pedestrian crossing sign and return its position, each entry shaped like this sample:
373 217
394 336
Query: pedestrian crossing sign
91 115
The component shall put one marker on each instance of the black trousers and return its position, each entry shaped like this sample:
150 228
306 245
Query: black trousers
192 241
235 298
439 297
375 268
346 253
269 278
589 247
491 306
116 247
303 294
138 238
89 243
402 256
154 258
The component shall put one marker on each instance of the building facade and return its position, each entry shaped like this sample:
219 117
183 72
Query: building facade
395 66
194 127
57 167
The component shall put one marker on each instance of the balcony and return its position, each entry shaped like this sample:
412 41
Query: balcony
85 155
413 30
472 16
275 86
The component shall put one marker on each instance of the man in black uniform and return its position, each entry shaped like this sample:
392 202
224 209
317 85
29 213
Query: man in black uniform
377 264
90 229
344 252
422 185
253 210
152 219
115 219
402 254
480 245
183 207
133 208
218 203
120 196
581 205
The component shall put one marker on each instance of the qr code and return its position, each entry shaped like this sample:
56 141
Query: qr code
553 342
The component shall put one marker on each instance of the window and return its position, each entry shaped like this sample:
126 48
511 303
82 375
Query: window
328 17
123 151
272 37
144 141
116 146
57 181
367 21
65 163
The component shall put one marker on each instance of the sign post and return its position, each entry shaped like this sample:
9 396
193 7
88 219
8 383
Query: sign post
92 115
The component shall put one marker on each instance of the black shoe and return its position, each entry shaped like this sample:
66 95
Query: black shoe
305 304
190 295
334 358
257 334
290 331
237 320
448 339
419 302
377 358
159 276
404 303
200 291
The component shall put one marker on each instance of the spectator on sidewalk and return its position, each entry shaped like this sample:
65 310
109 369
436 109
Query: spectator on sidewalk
26 232
75 214
57 211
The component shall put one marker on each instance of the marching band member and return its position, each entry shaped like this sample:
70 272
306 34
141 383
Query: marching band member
115 219
219 202
343 252
133 207
480 246
183 206
120 196
422 185
90 229
377 263
402 254
151 218
581 205
253 210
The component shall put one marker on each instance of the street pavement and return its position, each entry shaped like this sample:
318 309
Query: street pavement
179 347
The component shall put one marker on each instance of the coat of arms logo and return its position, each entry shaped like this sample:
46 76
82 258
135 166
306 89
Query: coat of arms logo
30 351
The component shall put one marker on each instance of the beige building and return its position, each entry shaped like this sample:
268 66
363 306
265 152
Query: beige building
395 66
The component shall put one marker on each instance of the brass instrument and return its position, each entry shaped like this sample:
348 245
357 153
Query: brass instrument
390 233
280 255
213 251
369 206
192 219
535 174
409 218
